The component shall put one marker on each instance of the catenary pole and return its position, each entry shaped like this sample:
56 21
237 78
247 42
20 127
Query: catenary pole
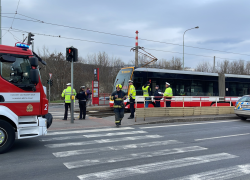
136 49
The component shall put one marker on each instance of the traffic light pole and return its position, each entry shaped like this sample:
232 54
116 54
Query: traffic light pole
72 94
49 92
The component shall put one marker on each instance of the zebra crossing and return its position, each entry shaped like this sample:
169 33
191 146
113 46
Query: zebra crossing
80 149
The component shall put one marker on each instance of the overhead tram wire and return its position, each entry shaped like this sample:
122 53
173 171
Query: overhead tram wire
15 14
13 18
16 38
59 36
95 31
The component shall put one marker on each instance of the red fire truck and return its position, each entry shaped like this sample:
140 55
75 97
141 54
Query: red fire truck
23 102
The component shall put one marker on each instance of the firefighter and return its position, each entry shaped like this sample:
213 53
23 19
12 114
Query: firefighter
67 95
146 93
118 96
82 97
132 94
157 96
168 94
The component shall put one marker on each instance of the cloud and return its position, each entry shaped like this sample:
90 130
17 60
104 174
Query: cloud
223 26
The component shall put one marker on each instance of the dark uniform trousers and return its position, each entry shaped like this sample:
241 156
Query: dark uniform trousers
132 107
82 106
67 107
157 103
168 102
119 114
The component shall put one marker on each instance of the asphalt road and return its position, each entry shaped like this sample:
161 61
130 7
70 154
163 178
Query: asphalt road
197 150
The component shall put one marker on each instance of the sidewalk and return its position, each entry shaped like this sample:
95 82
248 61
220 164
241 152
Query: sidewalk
94 122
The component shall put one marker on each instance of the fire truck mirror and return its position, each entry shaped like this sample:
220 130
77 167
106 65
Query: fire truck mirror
34 61
7 58
34 76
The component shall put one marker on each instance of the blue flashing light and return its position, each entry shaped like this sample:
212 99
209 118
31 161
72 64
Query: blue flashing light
20 45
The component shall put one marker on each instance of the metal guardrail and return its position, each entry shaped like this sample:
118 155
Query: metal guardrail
104 99
183 99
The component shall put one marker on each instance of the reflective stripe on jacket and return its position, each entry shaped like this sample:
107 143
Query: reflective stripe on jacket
145 91
67 94
118 101
168 92
132 92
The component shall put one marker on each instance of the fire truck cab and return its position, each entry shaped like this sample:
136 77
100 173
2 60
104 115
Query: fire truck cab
23 102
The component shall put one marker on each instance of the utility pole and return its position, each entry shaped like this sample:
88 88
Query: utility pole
214 65
136 49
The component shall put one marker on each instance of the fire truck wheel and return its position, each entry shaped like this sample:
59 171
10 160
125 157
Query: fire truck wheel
7 136
49 118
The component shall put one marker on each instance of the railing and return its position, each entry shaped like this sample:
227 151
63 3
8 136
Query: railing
104 99
184 101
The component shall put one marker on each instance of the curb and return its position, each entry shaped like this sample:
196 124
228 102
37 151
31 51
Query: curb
190 119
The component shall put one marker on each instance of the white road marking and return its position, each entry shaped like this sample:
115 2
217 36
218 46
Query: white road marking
222 137
191 124
154 167
91 162
220 174
88 131
93 135
114 134
59 145
114 148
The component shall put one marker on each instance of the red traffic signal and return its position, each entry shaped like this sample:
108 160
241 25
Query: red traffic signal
72 54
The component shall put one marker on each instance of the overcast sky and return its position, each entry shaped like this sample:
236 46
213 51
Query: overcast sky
224 26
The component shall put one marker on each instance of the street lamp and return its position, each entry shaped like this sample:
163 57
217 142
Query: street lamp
183 44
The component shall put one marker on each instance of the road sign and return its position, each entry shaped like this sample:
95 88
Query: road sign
50 75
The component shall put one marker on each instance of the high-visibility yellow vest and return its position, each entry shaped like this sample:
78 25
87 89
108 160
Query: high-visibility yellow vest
67 94
145 91
168 92
132 92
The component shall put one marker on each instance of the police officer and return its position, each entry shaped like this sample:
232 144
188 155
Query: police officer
157 96
168 94
146 93
82 97
132 94
118 96
67 95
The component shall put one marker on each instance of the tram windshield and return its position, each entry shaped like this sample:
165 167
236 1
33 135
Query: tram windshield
122 78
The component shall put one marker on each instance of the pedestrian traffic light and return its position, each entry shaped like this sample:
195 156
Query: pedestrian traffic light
72 54
30 35
51 82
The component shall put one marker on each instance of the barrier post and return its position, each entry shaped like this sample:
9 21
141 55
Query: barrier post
135 107
144 106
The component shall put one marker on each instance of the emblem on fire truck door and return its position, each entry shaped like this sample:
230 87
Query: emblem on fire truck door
29 108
